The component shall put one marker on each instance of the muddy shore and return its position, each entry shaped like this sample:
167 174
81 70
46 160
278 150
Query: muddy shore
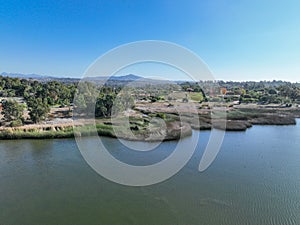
237 118
179 120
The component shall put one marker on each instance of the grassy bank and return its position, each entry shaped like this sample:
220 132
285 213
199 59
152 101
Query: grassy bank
139 130
166 126
68 132
20 134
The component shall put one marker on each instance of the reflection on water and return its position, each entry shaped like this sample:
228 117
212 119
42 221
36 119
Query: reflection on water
255 179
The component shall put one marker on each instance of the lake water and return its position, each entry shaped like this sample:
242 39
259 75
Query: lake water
255 179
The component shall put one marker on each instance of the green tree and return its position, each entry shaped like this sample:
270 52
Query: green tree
12 110
104 105
38 109
86 98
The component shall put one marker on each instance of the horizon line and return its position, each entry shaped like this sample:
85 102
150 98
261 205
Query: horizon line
149 77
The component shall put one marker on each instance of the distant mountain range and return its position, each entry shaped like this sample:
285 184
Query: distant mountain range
25 76
129 77
97 79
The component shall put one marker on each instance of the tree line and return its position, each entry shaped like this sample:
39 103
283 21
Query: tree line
110 99
263 92
39 97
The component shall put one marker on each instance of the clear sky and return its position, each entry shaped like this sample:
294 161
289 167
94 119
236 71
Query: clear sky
239 40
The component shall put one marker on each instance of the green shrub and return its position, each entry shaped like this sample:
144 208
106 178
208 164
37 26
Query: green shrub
16 123
161 115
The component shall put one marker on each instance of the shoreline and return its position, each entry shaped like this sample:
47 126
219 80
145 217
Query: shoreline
173 131
67 135
157 122
183 130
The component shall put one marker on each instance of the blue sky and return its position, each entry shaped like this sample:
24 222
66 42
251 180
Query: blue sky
239 40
